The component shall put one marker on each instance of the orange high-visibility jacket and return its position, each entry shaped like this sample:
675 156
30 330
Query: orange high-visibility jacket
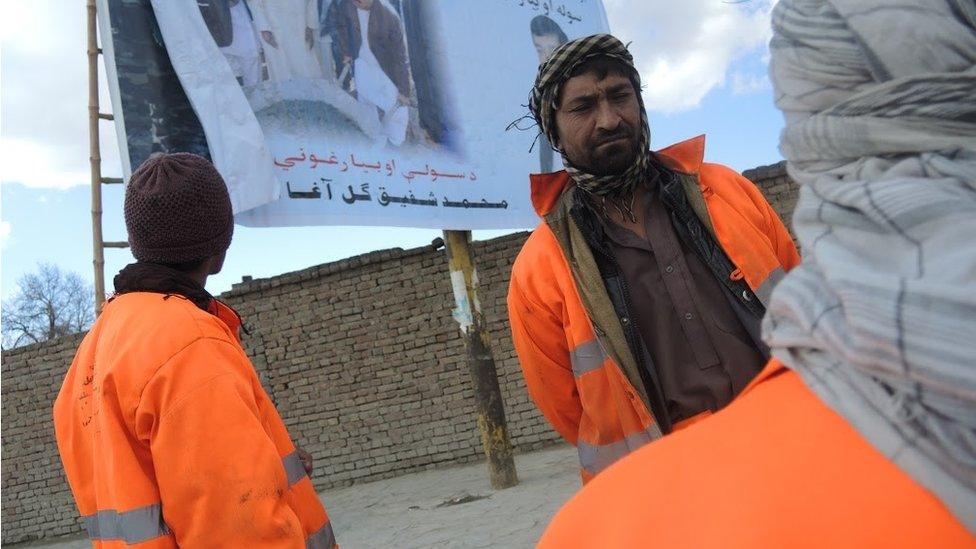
168 439
570 343
775 468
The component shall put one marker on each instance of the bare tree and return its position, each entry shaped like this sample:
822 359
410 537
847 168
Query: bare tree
48 303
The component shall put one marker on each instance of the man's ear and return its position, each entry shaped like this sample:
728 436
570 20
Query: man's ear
216 262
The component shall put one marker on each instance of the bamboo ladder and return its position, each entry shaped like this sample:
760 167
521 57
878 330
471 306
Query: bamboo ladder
95 159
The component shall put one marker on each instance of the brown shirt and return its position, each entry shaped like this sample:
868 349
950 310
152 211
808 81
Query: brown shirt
702 354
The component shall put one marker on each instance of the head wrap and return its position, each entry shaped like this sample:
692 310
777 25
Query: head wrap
879 318
553 73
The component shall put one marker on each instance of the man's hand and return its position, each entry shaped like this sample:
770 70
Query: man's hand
306 460
403 100
346 59
268 37
309 37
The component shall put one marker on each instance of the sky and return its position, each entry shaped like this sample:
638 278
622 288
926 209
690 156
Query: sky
703 64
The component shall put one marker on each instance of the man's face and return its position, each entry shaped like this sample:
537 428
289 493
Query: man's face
598 123
363 4
545 45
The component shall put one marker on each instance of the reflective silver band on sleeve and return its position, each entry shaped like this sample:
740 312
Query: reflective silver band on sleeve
134 526
323 539
587 357
293 467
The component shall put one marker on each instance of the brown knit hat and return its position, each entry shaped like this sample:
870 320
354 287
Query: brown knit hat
177 210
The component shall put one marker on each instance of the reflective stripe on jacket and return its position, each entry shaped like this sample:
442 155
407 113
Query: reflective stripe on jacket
578 366
168 439
775 468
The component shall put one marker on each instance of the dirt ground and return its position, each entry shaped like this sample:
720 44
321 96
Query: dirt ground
453 507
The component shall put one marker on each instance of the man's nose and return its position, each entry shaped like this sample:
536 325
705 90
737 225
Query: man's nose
608 119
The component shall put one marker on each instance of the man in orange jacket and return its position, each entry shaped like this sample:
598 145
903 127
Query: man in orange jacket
635 305
860 433
166 435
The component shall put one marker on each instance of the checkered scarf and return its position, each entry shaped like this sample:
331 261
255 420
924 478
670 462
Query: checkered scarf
553 73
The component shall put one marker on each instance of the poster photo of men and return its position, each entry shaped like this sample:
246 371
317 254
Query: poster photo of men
298 51
232 24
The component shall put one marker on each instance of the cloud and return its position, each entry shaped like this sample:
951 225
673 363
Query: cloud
44 96
684 49
36 164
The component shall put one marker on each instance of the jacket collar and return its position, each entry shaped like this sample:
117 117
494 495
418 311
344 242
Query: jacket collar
685 157
229 317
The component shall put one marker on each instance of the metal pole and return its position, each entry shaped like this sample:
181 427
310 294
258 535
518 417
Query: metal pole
95 158
477 343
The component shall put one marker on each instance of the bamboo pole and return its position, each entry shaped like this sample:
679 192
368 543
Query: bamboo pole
481 364
95 159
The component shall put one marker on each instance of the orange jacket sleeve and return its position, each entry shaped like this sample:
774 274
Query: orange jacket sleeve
786 250
540 342
775 230
220 476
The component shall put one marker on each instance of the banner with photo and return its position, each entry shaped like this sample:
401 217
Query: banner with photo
347 112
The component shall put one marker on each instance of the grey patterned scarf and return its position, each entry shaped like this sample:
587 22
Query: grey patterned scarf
879 98
553 73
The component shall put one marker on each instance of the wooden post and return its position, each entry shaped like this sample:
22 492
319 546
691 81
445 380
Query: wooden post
481 364
95 158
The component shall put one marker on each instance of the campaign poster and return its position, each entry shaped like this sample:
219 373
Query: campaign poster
350 112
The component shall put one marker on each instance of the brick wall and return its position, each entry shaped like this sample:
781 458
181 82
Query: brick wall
35 497
361 356
365 364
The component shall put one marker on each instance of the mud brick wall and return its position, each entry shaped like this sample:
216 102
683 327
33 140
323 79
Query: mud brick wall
36 500
365 363
361 356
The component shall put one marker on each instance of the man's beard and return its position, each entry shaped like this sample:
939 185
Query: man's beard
612 153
